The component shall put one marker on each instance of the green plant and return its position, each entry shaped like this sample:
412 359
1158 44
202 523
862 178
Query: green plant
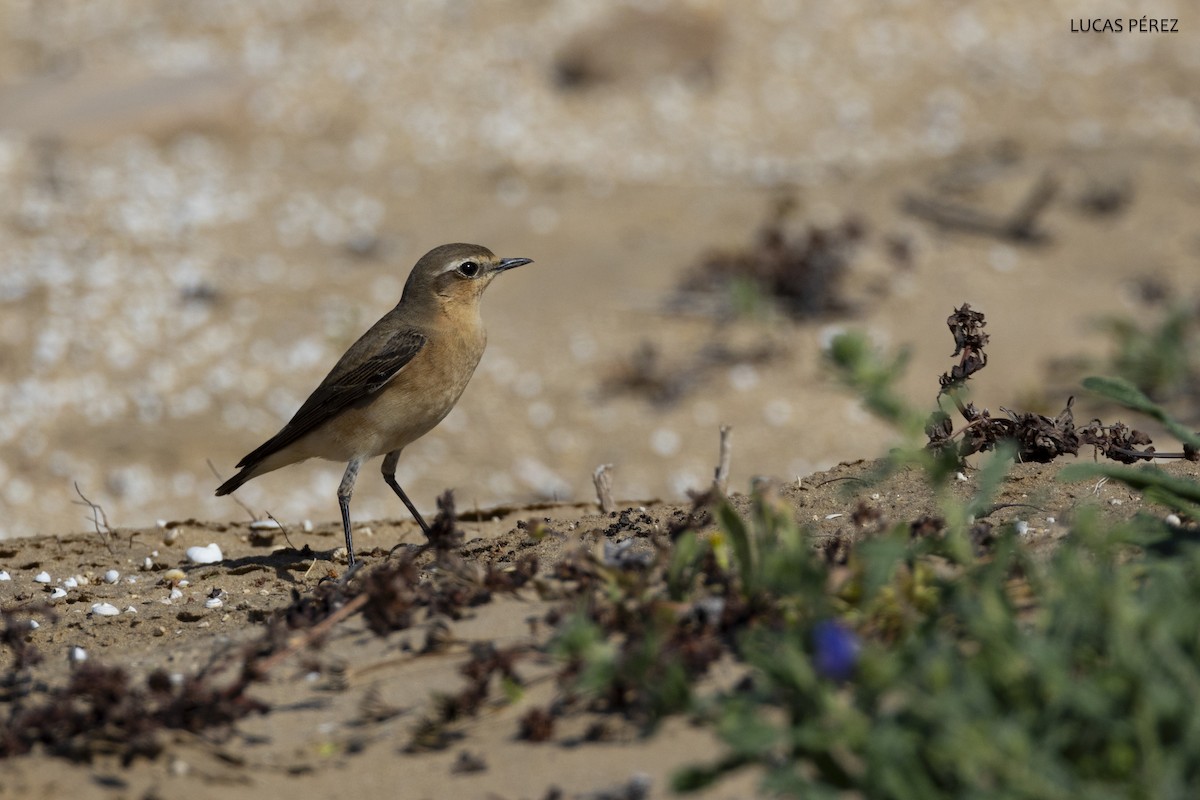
1076 675
919 666
1162 359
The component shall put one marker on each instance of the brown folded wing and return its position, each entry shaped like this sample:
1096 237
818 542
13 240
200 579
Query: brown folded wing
343 388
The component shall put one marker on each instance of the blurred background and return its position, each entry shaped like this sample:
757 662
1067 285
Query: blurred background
202 204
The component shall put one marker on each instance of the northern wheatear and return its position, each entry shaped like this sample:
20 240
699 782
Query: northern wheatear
396 382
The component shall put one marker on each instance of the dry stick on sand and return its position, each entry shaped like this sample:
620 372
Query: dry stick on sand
99 519
603 480
1020 225
282 529
306 638
721 473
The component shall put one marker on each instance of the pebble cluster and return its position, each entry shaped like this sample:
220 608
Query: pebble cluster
127 316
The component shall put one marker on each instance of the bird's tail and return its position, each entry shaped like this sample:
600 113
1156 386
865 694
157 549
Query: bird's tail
237 480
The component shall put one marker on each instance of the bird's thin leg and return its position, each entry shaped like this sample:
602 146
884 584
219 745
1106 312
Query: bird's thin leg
345 489
389 475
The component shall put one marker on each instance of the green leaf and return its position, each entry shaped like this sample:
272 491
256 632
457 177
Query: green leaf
682 569
991 476
739 539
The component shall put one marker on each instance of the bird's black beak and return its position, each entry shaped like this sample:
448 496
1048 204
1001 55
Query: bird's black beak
511 263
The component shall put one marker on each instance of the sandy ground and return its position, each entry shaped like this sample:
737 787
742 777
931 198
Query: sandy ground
204 204
323 736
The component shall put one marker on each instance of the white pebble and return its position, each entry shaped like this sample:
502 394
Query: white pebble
58 592
70 583
777 412
112 576
204 555
834 516
1021 527
308 526
34 625
175 594
105 609
665 442
743 377
76 655
148 563
1002 258
42 577
162 523
1116 502
1049 520
958 476
1173 520
214 602
262 525
4 576
130 610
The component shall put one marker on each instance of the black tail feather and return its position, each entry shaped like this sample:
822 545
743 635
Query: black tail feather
233 483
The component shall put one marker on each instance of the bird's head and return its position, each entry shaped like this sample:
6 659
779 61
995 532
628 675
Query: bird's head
455 274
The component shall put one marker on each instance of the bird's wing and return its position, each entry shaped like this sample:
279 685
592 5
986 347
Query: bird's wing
343 387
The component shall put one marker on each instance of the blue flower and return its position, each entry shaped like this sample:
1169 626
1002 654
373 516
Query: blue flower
835 650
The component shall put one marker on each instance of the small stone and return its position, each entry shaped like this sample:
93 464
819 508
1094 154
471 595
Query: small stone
112 576
42 577
205 555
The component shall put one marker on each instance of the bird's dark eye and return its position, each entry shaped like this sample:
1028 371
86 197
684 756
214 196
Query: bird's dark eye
468 269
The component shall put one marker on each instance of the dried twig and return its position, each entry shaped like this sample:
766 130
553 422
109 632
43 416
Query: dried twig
721 473
308 637
1020 225
282 529
603 482
99 520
